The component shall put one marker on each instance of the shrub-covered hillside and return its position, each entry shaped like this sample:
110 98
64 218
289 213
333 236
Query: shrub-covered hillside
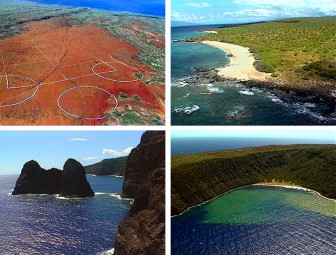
200 177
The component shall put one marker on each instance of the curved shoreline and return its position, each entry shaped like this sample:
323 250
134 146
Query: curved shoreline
241 65
258 184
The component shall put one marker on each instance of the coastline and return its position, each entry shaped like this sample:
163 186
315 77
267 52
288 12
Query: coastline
241 65
267 184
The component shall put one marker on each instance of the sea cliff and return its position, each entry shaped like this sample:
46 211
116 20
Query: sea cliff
113 166
201 177
143 230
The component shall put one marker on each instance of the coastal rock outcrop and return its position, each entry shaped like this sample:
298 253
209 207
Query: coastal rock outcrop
74 180
36 180
143 230
147 156
113 166
71 182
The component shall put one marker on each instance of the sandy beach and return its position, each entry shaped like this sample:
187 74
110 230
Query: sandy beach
241 65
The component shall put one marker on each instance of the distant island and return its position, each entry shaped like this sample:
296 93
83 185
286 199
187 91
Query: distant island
197 178
296 54
113 166
71 182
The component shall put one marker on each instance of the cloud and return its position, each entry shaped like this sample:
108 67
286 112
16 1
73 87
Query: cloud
79 139
115 153
91 158
251 13
292 8
252 10
198 5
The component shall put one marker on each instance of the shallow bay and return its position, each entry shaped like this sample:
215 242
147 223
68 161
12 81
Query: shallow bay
258 220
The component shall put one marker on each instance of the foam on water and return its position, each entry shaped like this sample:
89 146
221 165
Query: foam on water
109 252
246 92
188 109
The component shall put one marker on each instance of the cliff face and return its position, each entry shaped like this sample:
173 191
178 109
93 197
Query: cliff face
71 182
198 178
147 156
113 166
142 232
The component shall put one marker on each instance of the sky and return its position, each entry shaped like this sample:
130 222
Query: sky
53 148
196 141
244 11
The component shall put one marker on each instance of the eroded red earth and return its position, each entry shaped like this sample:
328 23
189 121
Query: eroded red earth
56 75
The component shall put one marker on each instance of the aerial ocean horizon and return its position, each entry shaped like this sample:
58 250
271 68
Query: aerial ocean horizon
151 8
47 224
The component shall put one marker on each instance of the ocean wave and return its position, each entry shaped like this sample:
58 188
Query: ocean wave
304 110
118 196
68 198
187 110
310 105
215 90
246 92
211 89
236 112
108 252
300 108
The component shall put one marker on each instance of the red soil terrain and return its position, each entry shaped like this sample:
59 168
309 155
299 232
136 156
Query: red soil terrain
60 75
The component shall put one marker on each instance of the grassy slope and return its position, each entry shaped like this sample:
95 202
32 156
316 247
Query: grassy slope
198 178
113 166
293 49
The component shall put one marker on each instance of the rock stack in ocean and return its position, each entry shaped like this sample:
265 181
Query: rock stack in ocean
143 230
71 182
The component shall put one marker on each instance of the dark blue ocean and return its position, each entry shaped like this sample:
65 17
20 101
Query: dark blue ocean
187 145
146 7
227 103
258 221
37 224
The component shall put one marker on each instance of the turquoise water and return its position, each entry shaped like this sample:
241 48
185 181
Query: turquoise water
197 102
258 220
183 54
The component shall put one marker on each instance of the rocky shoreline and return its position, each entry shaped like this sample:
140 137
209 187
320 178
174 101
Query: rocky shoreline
282 89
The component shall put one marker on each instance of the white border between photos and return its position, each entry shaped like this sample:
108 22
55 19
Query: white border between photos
167 127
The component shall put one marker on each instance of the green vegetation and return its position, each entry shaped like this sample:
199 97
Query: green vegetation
137 98
199 177
131 118
113 166
293 49
139 76
14 16
128 107
122 95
